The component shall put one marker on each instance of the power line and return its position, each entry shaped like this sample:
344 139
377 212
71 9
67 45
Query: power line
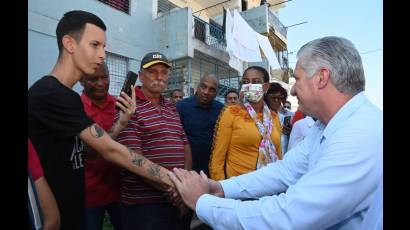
367 52
280 3
210 6
371 51
296 24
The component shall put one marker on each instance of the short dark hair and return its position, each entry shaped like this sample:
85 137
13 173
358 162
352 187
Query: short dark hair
231 90
260 69
275 87
73 24
175 90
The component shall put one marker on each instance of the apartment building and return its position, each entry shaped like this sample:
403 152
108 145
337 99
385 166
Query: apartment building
189 32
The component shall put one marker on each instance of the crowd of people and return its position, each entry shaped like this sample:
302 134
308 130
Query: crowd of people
152 162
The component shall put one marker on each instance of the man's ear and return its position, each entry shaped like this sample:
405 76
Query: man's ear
69 43
323 78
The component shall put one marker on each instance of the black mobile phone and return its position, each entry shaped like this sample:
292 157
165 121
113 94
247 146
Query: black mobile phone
126 87
287 120
286 125
129 80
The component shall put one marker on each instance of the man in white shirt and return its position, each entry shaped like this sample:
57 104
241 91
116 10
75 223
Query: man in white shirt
328 180
299 131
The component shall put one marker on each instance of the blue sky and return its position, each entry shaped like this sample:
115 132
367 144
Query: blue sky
360 21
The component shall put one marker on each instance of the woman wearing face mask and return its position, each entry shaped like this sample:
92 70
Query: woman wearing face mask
247 136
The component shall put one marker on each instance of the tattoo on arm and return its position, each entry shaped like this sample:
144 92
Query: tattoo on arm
96 131
154 170
136 158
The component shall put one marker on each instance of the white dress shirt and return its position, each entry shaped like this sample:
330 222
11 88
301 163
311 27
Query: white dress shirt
325 182
299 131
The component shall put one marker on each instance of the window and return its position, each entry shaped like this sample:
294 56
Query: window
118 67
216 30
244 5
122 5
165 6
200 29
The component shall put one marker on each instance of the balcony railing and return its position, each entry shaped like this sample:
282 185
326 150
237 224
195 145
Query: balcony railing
277 25
210 34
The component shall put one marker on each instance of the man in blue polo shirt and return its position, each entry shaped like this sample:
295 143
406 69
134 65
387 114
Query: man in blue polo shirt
198 116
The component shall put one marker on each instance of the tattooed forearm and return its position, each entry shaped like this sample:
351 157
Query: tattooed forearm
154 171
136 158
96 131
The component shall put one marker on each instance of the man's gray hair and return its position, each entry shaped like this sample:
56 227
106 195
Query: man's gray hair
339 56
207 76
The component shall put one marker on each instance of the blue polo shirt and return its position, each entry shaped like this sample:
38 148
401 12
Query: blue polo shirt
199 123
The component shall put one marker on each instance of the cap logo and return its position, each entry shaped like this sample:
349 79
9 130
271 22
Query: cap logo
157 56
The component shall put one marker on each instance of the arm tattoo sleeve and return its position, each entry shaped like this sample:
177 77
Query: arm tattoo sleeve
154 170
96 131
136 159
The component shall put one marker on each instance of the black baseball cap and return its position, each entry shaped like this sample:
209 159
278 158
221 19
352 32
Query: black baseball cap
153 58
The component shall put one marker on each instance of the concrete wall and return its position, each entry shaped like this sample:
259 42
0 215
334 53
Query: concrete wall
130 35
172 35
257 18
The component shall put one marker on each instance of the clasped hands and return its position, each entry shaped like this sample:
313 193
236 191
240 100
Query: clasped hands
189 186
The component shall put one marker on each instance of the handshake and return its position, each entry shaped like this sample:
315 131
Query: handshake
188 186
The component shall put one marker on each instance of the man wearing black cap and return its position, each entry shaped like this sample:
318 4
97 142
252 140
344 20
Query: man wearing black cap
156 130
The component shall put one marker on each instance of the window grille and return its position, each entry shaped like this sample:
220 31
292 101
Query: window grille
216 30
200 29
118 67
165 6
122 5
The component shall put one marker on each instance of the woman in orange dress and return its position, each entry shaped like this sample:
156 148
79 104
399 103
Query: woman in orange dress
247 136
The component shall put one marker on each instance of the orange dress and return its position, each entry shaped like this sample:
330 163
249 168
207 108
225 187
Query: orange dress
236 142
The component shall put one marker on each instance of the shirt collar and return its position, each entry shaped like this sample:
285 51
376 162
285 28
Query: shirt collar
309 121
196 104
344 112
87 100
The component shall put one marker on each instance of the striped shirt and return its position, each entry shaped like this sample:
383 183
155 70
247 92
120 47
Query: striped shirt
158 133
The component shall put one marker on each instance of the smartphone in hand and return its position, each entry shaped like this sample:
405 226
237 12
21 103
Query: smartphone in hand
126 87
287 127
129 80
287 120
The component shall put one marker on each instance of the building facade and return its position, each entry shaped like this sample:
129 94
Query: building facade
189 33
